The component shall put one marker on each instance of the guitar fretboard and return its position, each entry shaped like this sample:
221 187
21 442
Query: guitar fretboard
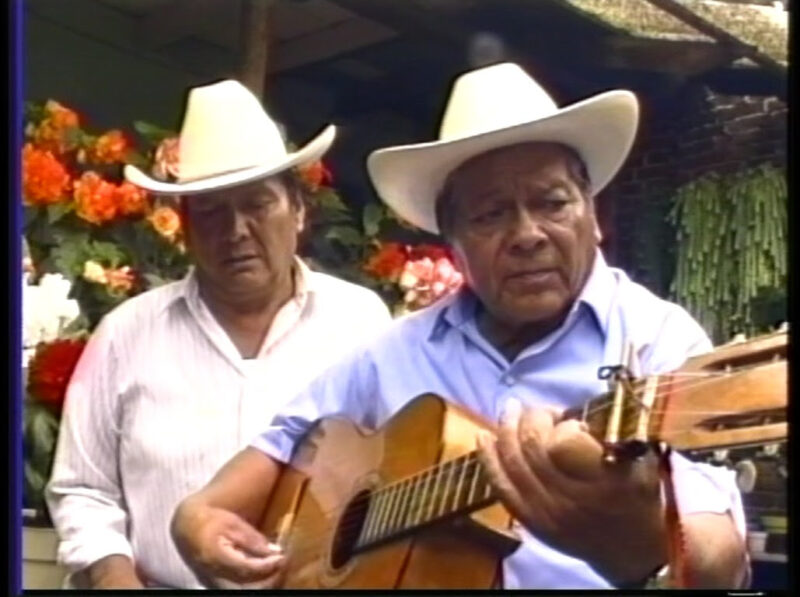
457 486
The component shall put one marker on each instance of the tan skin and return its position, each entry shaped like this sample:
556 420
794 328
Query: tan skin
242 242
525 234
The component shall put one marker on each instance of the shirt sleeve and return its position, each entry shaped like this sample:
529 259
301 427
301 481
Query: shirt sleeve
347 389
699 487
83 494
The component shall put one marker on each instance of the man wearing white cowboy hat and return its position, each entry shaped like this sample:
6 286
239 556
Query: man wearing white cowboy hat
510 184
177 380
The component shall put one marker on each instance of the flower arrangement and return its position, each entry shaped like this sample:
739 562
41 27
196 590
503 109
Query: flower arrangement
93 240
420 274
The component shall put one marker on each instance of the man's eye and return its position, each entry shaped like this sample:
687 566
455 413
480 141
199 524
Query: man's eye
491 215
555 204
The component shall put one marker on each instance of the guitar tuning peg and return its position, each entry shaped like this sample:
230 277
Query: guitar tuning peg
720 455
771 449
737 339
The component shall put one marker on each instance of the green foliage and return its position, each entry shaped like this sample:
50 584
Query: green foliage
731 268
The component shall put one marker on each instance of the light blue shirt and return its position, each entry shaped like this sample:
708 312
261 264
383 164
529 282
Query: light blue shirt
440 350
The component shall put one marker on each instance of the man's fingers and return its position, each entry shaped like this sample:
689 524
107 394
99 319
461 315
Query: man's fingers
242 567
249 540
574 452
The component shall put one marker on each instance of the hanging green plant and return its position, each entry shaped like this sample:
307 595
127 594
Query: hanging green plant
731 260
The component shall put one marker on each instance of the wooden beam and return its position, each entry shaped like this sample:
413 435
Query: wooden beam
686 58
255 44
708 28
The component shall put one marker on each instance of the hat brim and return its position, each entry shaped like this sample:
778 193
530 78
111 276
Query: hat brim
311 152
601 129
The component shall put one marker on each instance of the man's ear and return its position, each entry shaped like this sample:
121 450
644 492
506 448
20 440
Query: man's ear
598 234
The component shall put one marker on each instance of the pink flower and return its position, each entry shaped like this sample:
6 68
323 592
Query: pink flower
425 281
167 158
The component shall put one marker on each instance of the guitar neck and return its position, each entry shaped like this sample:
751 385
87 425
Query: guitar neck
451 488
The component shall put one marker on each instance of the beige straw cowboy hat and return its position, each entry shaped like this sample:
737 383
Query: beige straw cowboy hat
228 139
494 107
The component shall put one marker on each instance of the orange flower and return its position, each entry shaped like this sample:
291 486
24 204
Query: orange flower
387 263
110 148
120 280
50 370
95 198
315 175
44 178
166 221
130 199
165 164
51 134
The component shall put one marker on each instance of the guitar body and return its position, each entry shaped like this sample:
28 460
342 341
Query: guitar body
337 462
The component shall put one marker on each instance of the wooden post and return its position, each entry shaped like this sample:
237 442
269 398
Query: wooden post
255 20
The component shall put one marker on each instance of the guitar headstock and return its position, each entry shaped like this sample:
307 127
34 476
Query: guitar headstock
733 396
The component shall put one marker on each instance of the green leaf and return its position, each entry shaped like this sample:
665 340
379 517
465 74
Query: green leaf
42 432
373 214
151 132
56 211
345 235
328 199
69 256
109 254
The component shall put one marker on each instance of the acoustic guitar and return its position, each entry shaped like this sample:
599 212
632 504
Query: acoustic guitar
409 506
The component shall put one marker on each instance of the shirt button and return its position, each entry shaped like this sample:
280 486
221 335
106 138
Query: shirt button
508 379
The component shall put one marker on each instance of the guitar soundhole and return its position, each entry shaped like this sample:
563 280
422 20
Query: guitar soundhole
350 524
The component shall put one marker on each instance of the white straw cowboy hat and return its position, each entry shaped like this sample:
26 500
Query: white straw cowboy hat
494 107
228 139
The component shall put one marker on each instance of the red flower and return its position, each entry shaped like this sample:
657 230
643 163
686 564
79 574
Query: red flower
315 175
130 199
50 370
433 252
95 198
110 148
388 262
44 178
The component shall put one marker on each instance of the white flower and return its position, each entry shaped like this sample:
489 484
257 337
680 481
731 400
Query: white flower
94 272
46 310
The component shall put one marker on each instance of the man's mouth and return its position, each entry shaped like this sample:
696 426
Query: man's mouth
239 259
533 276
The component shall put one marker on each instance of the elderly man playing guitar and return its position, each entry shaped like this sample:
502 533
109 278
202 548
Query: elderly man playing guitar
510 185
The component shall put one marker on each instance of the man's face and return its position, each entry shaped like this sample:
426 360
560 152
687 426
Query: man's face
523 231
243 239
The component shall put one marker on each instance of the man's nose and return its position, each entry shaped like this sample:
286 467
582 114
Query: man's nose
235 223
527 233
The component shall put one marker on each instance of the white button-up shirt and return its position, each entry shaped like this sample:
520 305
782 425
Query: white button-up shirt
161 399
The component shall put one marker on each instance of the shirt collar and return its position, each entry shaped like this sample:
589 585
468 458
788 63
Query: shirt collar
597 294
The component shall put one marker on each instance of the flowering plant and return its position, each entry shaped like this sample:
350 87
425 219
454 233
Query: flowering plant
93 240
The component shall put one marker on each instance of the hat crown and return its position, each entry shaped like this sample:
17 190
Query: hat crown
225 128
493 98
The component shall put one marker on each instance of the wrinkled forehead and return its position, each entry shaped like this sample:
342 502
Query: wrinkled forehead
530 161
